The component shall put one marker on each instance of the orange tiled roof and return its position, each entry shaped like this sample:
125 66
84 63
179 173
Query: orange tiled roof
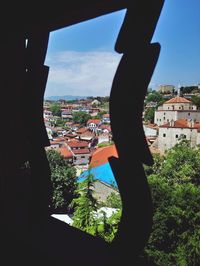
101 155
178 100
77 144
105 127
65 152
95 121
81 151
182 123
82 130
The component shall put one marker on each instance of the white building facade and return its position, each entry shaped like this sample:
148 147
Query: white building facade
174 109
171 133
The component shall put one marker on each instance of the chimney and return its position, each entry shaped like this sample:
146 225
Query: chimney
190 123
171 123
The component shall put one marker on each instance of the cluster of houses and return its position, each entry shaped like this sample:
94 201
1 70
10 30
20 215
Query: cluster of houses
80 144
177 118
77 142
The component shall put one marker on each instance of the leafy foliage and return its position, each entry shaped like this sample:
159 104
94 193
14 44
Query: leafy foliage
107 227
149 114
63 177
85 205
55 109
189 89
154 97
80 117
114 201
174 184
85 216
196 100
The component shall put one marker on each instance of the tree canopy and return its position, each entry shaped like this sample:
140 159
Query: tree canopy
174 183
63 177
80 117
149 114
196 100
55 109
154 97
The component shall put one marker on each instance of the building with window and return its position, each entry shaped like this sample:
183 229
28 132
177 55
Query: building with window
80 151
166 88
175 109
172 132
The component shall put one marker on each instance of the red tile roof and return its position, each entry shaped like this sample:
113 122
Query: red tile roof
81 151
182 123
178 100
82 130
77 144
65 152
101 155
95 121
105 127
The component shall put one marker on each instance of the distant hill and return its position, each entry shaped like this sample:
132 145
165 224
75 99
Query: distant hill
65 97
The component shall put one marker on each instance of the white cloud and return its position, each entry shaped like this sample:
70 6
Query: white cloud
81 73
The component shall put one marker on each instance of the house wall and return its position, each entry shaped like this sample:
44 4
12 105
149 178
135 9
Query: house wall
81 159
102 191
169 137
198 138
179 106
162 117
149 131
103 139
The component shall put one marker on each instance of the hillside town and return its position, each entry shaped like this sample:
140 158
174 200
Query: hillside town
80 129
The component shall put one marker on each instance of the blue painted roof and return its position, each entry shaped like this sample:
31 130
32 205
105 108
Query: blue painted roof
103 173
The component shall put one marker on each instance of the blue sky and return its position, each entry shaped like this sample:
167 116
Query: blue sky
82 59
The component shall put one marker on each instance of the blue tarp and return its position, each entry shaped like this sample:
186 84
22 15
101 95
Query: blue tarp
103 173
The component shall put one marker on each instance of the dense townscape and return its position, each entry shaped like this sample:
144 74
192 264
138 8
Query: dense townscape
80 143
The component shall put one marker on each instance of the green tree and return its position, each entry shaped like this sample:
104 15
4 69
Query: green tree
196 100
154 97
176 223
114 201
80 117
55 109
149 114
85 206
100 114
107 227
182 164
157 165
64 181
174 183
60 122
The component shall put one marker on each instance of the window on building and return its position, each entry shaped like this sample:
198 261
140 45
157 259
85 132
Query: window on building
164 135
164 118
176 136
188 113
